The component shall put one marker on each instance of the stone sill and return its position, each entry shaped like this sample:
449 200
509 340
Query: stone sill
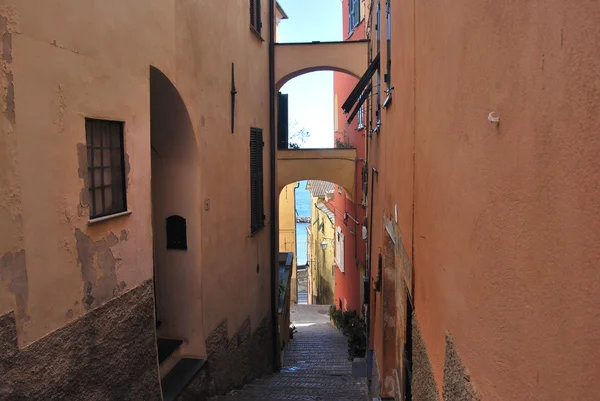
109 217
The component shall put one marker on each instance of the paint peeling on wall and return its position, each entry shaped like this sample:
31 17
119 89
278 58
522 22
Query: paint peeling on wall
8 25
82 173
61 105
98 269
124 235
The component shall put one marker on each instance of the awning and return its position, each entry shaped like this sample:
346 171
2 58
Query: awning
361 85
361 100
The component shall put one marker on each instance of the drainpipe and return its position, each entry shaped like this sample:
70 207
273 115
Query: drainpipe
373 173
273 189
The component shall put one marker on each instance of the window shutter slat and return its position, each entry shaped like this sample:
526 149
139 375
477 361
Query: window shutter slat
258 17
257 216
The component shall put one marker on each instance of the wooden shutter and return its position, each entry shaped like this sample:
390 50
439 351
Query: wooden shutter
258 18
252 13
257 219
282 121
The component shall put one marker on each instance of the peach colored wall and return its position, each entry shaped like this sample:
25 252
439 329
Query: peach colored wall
506 217
61 76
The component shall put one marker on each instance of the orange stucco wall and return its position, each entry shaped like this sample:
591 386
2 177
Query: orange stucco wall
59 76
505 216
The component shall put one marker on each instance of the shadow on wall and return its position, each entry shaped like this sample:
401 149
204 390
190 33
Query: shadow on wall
175 192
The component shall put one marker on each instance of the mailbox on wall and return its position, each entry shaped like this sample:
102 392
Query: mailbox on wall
176 233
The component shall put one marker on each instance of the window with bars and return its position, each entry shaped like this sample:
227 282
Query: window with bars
105 153
255 19
257 210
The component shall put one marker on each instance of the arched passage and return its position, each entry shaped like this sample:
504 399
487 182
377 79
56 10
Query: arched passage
294 59
175 215
332 165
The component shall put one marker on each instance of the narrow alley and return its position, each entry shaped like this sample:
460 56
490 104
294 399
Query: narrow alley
316 366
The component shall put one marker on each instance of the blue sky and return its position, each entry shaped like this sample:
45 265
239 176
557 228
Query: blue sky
311 95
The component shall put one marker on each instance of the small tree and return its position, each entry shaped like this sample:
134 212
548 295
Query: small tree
299 136
343 142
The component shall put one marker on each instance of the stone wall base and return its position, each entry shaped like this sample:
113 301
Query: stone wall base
457 381
107 354
423 385
233 362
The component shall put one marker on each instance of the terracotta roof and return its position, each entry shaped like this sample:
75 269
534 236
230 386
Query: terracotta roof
319 189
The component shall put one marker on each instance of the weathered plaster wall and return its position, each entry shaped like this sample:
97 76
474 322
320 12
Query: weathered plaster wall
55 267
57 78
506 217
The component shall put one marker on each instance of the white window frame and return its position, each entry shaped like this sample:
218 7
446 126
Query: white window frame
339 248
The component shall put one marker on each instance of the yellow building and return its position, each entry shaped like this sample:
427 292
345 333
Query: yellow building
287 230
321 243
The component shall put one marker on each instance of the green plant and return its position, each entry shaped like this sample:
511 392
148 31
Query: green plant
343 143
353 327
335 315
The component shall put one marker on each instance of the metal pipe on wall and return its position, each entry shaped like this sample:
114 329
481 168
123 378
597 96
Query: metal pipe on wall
272 189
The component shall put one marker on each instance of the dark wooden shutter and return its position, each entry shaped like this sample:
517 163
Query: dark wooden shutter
257 219
282 121
258 18
252 13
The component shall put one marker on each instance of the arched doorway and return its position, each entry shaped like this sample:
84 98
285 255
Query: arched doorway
175 217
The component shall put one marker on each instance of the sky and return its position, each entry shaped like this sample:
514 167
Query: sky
311 95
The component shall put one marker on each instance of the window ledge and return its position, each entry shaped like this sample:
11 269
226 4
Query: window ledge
388 100
109 217
257 231
256 33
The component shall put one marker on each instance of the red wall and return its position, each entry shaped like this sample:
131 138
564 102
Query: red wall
348 284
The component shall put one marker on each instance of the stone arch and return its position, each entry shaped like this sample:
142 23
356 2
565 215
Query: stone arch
295 59
332 165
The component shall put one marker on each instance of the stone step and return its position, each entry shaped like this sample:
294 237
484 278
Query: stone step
293 389
166 346
180 376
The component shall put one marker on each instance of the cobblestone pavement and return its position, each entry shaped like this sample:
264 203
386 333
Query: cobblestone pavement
316 365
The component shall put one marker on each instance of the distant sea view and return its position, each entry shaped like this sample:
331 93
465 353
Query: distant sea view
302 209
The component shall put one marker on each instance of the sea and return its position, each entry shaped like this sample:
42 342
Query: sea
302 210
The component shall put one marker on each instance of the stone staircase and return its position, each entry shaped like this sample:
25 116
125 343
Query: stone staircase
176 371
316 366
